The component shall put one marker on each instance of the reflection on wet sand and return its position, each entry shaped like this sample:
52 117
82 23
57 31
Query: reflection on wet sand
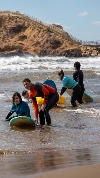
46 160
23 128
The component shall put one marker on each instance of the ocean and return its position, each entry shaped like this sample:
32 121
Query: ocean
74 137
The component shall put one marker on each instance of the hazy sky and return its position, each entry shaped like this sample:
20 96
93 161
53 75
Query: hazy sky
80 18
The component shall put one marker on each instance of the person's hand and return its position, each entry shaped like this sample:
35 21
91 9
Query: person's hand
6 119
43 107
36 121
39 107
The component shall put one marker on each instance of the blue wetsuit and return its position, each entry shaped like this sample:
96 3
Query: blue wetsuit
21 109
71 84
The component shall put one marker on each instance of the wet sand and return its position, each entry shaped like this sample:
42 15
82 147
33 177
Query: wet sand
91 171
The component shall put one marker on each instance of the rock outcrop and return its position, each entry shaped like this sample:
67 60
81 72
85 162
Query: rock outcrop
20 33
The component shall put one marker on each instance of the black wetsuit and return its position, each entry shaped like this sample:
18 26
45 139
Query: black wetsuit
78 76
50 96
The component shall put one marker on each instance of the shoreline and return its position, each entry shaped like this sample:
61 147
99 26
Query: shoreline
21 54
87 171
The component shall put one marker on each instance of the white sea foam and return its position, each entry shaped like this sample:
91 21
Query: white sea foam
89 110
35 62
2 95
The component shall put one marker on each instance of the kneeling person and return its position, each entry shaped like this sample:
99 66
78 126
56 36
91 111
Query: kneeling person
20 107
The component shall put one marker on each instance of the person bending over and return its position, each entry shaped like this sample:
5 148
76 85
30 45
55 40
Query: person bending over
50 96
69 83
20 107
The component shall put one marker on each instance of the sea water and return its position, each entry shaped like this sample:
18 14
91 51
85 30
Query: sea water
74 137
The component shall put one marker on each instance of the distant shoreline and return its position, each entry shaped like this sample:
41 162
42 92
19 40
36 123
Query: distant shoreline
11 54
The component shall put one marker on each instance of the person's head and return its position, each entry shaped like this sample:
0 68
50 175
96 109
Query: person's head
27 83
77 65
25 94
16 98
61 74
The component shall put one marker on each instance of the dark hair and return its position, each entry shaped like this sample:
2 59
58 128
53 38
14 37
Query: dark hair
61 72
16 94
24 92
77 65
26 80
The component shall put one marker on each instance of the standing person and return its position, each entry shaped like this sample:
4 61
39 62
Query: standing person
78 76
50 96
70 84
20 107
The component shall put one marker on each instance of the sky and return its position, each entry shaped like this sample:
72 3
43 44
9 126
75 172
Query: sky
80 18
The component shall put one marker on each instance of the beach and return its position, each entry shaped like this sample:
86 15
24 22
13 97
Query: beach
71 146
79 172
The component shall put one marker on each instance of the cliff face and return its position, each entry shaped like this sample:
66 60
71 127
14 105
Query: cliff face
19 33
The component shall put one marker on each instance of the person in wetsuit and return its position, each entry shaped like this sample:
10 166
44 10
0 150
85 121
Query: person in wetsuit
20 107
50 96
70 84
78 76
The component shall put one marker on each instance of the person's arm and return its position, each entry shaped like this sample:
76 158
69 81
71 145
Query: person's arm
46 94
36 110
32 96
11 112
75 76
63 90
8 115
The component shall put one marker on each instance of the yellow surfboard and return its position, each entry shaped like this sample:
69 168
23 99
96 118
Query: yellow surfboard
40 100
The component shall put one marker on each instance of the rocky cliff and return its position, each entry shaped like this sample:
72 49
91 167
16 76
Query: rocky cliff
20 33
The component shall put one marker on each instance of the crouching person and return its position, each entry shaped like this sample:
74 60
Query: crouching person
20 107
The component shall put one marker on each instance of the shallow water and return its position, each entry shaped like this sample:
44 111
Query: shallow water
26 164
74 137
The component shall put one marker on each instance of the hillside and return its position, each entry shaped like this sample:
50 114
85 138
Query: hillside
20 33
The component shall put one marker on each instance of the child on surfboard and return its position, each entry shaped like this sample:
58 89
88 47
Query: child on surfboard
78 76
20 107
69 83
